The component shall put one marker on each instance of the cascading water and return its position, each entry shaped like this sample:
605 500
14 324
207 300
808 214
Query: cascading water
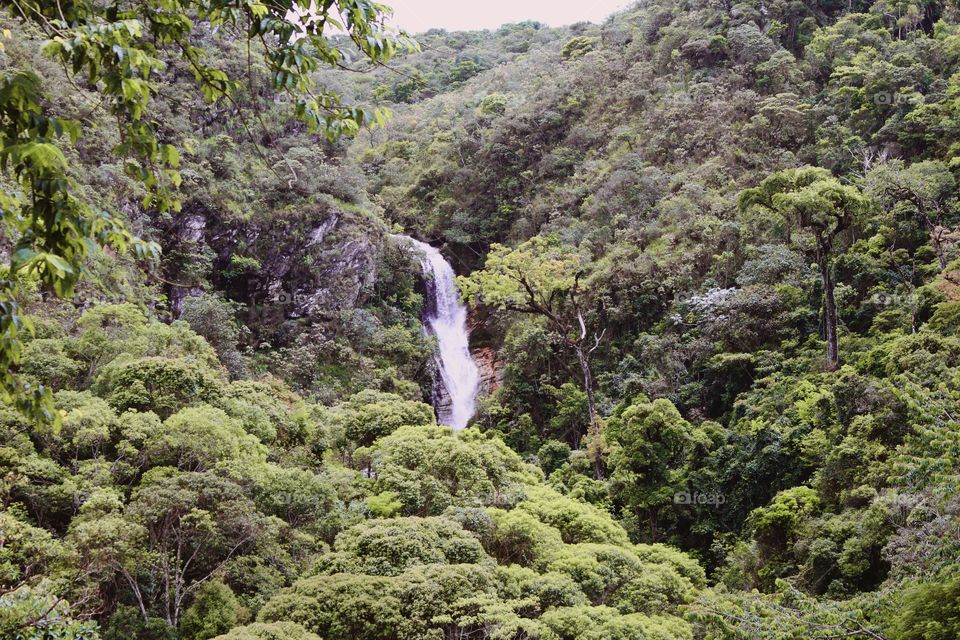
446 318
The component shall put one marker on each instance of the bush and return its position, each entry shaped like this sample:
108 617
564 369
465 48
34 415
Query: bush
579 46
929 612
214 611
158 384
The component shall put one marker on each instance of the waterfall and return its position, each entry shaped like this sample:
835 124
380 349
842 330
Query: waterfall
446 318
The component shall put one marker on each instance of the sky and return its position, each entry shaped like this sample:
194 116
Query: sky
416 16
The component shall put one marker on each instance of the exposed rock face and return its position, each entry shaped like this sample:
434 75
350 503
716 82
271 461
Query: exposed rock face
491 369
309 261
188 232
483 334
440 399
491 378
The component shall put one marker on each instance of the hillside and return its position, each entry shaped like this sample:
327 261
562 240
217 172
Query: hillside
711 261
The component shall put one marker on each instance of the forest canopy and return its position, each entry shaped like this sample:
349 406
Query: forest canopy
711 259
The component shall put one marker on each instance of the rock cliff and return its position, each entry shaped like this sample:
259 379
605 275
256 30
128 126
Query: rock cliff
309 261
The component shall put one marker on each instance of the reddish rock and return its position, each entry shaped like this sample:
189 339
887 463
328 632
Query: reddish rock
491 369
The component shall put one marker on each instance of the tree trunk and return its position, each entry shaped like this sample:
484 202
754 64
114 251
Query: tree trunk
135 587
594 428
936 239
587 383
829 307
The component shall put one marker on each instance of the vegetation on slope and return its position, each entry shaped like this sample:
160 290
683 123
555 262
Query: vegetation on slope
713 245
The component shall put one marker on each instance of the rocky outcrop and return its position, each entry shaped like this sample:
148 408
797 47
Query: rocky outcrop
440 399
308 261
188 232
330 270
491 369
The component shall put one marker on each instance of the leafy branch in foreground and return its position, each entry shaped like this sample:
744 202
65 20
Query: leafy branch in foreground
55 230
120 50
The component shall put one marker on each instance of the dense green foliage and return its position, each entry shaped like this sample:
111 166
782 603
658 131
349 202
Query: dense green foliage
193 504
121 53
712 246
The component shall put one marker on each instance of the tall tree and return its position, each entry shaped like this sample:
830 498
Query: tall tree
816 201
543 277
194 524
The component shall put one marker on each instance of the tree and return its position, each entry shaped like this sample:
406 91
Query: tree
776 526
299 496
215 610
35 572
390 547
126 622
122 51
269 631
579 46
214 318
164 385
339 607
33 613
543 277
195 523
431 468
787 615
198 438
369 415
924 190
649 445
578 522
815 200
553 455
931 611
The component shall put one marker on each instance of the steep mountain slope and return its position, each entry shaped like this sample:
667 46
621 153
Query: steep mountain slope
631 143
659 220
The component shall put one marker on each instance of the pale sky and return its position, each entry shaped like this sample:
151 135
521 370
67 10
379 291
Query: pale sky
416 16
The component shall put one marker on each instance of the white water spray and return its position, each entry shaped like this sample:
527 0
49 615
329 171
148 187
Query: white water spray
446 318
